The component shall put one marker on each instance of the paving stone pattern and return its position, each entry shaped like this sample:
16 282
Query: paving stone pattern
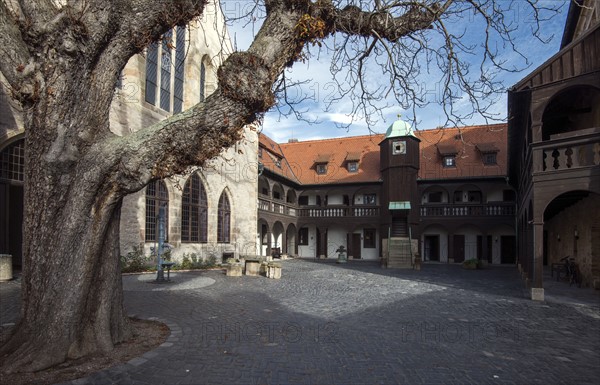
323 323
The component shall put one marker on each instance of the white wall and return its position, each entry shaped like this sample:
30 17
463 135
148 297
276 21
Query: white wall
336 199
309 251
336 237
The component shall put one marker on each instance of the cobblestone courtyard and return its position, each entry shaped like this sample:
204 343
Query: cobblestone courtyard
324 323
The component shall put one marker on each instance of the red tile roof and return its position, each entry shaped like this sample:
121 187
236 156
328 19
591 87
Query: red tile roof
469 161
272 159
300 158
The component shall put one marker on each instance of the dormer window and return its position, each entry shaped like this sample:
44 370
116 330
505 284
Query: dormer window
260 152
489 159
322 168
352 159
278 162
448 153
488 153
449 161
321 163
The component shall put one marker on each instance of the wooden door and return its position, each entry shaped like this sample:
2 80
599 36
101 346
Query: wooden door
356 246
459 248
508 249
432 248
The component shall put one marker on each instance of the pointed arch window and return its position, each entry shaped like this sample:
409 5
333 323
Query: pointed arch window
194 211
202 81
165 76
156 196
179 69
12 162
151 73
224 224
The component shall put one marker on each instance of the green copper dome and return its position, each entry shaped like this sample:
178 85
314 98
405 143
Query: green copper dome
399 128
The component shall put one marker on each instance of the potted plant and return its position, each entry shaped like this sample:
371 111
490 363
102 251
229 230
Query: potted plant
470 264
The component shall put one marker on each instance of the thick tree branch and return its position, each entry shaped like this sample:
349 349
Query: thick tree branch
12 47
383 24
245 90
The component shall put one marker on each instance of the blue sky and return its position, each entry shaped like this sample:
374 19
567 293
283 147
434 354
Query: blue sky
319 88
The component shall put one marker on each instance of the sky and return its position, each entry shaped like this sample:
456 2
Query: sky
319 90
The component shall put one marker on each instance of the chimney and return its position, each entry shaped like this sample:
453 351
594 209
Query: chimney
292 140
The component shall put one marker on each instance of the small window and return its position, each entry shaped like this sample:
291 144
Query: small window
276 195
278 162
303 236
399 147
370 199
322 168
369 238
260 150
489 159
449 161
303 200
352 166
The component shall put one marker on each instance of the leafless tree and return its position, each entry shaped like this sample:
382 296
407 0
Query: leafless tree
61 60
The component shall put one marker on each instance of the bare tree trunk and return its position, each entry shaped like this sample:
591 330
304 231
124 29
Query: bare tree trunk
72 297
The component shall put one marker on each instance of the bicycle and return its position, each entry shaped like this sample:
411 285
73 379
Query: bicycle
572 271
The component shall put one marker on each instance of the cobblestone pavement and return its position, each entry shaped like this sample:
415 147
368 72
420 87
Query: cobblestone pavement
324 323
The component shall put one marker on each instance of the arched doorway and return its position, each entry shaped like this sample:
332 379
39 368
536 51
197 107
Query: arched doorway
12 175
572 232
290 247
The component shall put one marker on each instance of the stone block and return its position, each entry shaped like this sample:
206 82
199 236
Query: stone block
274 272
6 271
253 268
537 293
234 270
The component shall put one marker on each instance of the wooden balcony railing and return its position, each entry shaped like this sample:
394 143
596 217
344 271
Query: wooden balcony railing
341 211
568 152
284 208
468 210
276 206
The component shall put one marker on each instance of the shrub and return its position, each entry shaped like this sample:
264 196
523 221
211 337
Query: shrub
471 263
135 261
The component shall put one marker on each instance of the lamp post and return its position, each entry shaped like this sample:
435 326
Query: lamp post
160 276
